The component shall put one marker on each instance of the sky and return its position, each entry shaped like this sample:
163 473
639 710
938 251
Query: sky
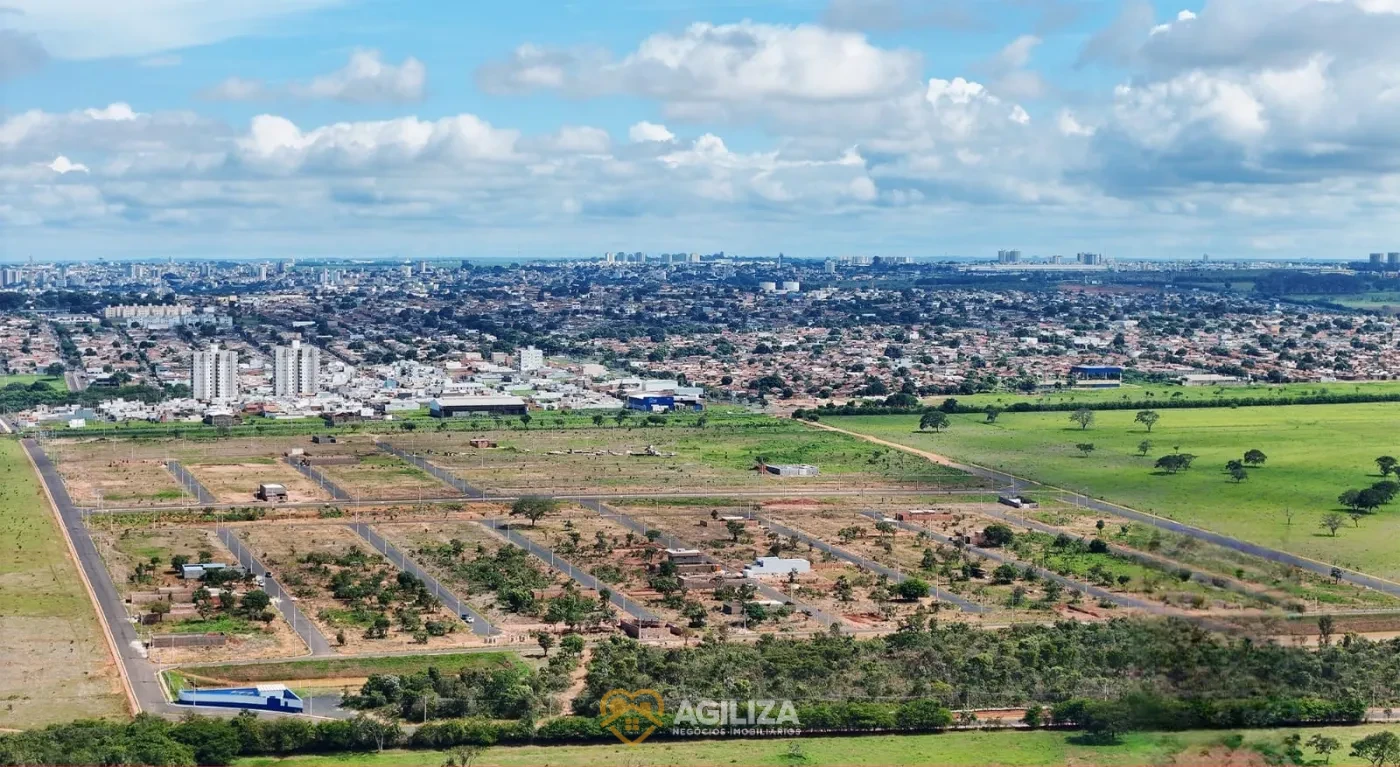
533 128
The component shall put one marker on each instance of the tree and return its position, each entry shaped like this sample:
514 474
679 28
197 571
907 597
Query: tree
911 589
1333 522
1379 749
160 609
1324 745
534 508
1144 447
1085 447
1147 418
1083 416
1238 474
464 755
735 528
992 412
1386 464
933 419
178 561
1255 457
545 641
597 419
255 602
996 536
1350 499
1326 624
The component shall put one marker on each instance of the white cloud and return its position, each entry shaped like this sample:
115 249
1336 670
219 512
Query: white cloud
1070 125
366 78
645 131
237 89
275 144
710 69
62 165
114 112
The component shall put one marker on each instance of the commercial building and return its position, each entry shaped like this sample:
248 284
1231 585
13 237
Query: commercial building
270 491
1098 376
793 470
264 697
776 566
462 407
214 375
295 370
663 402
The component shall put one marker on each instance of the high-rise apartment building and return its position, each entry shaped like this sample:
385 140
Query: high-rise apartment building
531 359
214 375
295 370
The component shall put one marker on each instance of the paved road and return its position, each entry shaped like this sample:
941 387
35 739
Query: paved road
582 578
442 474
75 380
868 564
284 601
479 624
142 673
671 541
1014 483
191 485
310 472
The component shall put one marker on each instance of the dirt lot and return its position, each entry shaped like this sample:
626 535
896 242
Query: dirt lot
676 461
238 482
385 477
97 483
126 549
306 558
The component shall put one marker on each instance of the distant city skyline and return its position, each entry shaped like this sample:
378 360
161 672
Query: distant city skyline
1140 128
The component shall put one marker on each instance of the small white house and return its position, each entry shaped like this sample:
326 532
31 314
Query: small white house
776 566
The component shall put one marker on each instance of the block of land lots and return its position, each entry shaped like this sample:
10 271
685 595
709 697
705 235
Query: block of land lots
139 561
674 460
55 664
104 473
467 558
350 591
236 479
1314 453
385 477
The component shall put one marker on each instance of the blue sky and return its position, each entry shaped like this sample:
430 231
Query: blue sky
272 128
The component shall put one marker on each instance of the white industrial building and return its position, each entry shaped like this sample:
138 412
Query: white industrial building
214 375
776 566
295 370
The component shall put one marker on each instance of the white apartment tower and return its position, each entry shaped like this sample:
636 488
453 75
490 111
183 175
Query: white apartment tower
531 359
295 370
214 375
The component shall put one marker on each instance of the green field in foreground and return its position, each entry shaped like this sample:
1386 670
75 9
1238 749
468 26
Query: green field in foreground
1176 394
350 667
57 382
1314 453
56 664
953 749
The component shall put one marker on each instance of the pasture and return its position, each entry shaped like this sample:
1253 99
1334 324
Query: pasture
1314 452
47 621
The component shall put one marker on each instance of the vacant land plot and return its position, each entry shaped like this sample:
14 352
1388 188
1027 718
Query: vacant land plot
236 480
385 477
676 460
99 473
952 749
1314 452
55 664
351 592
29 379
140 562
1177 394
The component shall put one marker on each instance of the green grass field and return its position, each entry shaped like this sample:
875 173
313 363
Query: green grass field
1176 394
351 667
1314 453
56 663
56 382
954 749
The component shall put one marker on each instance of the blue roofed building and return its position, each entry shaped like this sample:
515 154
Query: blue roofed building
1097 376
263 697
